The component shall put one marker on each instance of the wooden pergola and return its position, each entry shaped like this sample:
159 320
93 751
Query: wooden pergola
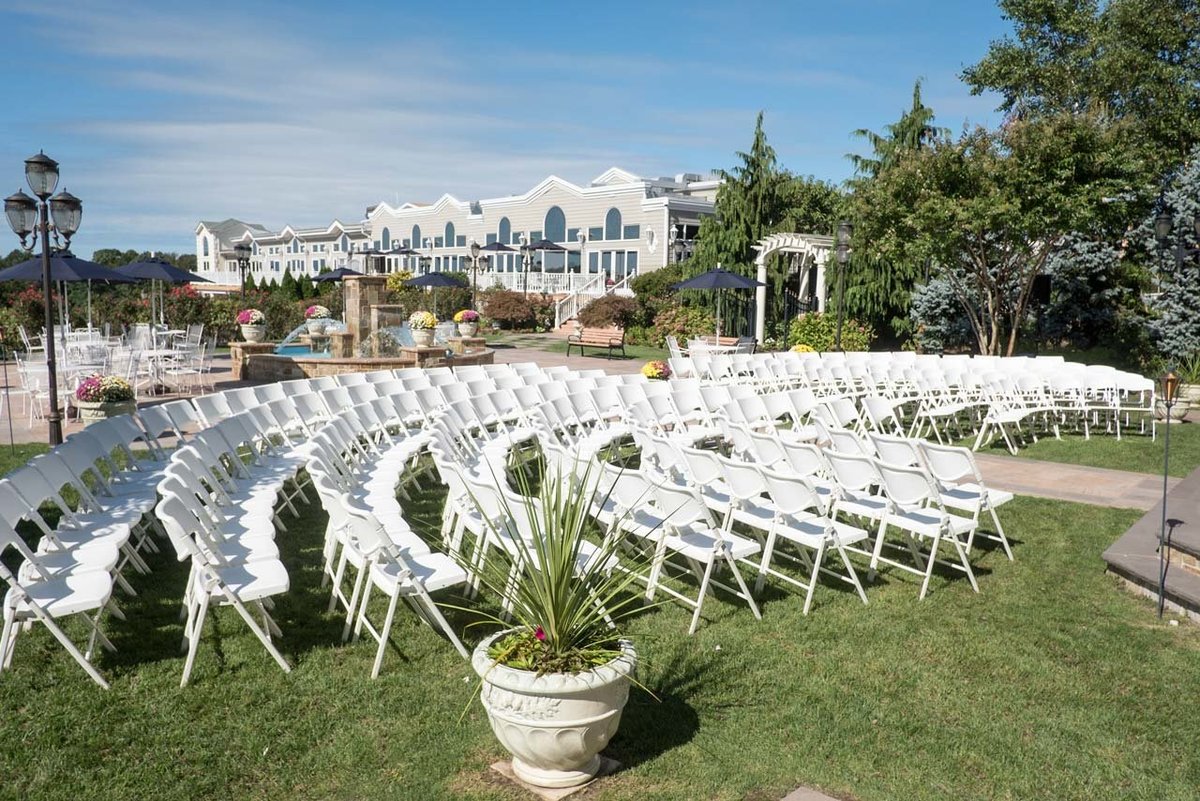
810 253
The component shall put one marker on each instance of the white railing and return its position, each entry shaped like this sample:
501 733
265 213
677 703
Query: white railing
230 277
537 283
621 288
571 305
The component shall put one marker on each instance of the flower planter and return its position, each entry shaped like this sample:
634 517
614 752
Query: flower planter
1179 410
468 329
317 327
556 724
1189 395
254 333
94 411
422 337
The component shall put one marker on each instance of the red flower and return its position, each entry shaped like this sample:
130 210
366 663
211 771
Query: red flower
539 633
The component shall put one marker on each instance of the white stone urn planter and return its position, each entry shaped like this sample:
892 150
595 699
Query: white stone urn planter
254 333
94 411
554 725
423 337
1179 410
468 329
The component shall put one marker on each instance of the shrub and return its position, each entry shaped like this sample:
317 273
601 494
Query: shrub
683 322
819 331
653 291
610 311
516 311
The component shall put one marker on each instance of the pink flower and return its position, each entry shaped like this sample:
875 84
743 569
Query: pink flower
539 633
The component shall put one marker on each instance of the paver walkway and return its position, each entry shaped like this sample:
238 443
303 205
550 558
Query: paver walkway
1070 482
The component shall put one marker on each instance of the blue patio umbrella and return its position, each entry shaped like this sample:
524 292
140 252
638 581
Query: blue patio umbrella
718 280
154 271
433 281
335 275
65 268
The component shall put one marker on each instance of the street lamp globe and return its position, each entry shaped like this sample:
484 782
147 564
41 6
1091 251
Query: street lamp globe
21 211
474 250
1164 223
41 172
67 211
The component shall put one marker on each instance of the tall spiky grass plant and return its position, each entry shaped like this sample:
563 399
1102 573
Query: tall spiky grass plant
567 593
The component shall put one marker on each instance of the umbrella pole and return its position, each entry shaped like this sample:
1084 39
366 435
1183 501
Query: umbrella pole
7 400
89 304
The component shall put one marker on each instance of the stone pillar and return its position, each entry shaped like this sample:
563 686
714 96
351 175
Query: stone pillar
240 353
362 292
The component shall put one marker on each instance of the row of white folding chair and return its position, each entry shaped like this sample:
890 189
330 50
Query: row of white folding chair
674 524
390 558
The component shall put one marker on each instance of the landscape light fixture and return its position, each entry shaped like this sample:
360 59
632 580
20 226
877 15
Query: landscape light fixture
1168 388
36 220
241 252
474 249
845 231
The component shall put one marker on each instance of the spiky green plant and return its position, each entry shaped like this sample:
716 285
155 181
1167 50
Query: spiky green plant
570 592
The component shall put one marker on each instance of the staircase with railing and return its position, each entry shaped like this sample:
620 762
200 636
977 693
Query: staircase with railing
569 307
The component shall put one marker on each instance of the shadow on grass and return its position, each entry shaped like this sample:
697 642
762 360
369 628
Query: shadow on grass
661 719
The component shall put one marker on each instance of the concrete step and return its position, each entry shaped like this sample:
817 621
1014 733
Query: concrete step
1134 556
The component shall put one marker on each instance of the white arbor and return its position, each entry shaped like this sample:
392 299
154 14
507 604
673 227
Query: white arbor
810 253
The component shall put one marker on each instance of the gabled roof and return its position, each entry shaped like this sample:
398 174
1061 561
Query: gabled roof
227 230
615 175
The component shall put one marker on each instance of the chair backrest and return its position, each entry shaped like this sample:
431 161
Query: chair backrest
896 450
853 472
744 480
908 487
681 506
950 463
213 408
791 494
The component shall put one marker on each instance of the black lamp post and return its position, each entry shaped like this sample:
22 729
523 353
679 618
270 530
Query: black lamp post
526 263
425 260
32 220
845 231
474 272
241 252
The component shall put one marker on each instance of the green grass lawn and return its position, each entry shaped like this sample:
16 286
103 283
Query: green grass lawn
1051 684
12 457
634 352
1135 452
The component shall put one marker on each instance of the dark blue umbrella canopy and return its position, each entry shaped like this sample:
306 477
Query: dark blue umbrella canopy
432 279
63 267
336 275
546 244
159 270
497 247
719 279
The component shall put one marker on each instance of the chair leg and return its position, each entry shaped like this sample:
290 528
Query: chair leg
194 638
383 634
258 632
1000 532
851 572
933 551
814 576
700 597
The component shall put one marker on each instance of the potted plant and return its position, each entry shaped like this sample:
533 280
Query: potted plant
422 323
101 396
1189 381
317 317
555 680
254 325
657 370
468 322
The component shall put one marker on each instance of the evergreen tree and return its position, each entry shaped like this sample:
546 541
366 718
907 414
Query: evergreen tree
305 288
878 286
288 285
249 284
1175 324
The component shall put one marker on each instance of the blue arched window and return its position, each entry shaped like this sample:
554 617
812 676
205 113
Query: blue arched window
504 231
385 239
612 224
345 243
416 237
554 227
449 235
205 241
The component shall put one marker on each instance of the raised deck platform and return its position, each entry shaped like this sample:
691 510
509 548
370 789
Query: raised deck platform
1134 556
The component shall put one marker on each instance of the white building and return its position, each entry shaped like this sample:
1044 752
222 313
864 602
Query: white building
611 229
301 250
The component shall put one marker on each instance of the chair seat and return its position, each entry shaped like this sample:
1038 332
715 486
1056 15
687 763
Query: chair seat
61 595
862 504
250 581
103 556
969 496
434 571
928 522
698 543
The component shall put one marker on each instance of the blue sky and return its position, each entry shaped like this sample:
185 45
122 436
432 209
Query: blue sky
165 113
